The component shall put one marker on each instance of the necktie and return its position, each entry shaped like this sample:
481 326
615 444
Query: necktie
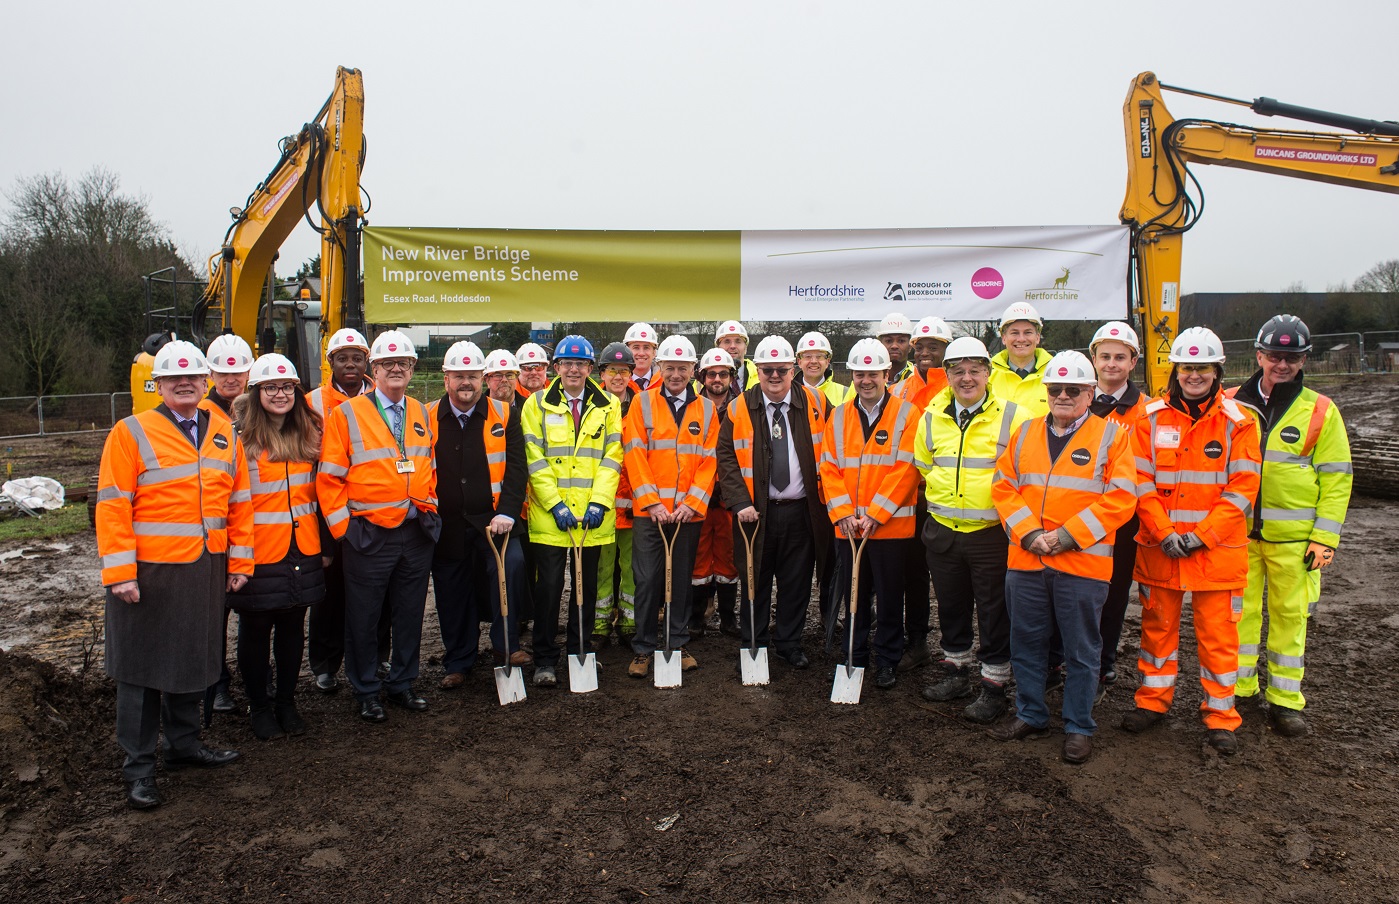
1105 399
397 410
463 419
964 417
191 428
781 468
576 405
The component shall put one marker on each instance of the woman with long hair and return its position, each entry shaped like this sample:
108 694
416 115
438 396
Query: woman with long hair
281 437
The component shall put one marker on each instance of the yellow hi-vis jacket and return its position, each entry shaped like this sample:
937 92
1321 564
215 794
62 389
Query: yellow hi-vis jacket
1028 391
576 467
958 466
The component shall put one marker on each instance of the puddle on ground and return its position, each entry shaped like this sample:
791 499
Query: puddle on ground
35 552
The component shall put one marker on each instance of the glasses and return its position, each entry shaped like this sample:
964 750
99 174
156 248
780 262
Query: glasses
1195 368
774 371
1284 357
616 371
531 368
571 364
1072 392
278 389
396 364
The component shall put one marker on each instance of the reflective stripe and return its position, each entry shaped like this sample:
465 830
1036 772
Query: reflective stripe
1159 681
539 464
700 494
645 489
361 457
1335 467
240 496
1287 662
143 443
240 552
1286 458
1146 465
1193 515
495 488
166 529
1095 527
1064 482
1124 484
495 458
115 559
1248 649
227 467
1225 678
1145 488
1220 704
107 494
1247 671
1098 549
742 443
1017 516
1327 524
836 502
1244 465
1236 605
746 472
571 483
973 514
335 517
357 506
1284 684
634 445
1159 661
883 502
1237 501
691 449
163 475
610 465
1278 514
333 469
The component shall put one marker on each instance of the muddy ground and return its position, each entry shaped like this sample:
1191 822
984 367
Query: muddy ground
764 793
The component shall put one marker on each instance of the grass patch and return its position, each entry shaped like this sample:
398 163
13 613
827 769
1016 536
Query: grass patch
71 519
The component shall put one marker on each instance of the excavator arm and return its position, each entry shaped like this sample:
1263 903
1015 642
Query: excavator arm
1163 199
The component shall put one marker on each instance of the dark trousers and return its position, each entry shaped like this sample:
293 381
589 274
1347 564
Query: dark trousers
140 713
648 563
917 601
789 558
325 629
832 588
881 578
280 632
1036 601
969 575
550 562
468 593
395 574
1124 561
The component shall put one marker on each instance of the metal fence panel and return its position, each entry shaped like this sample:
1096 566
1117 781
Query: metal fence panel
56 415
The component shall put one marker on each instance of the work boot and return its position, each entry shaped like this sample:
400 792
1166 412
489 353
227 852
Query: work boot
640 666
1139 720
1287 722
727 605
884 677
688 663
699 609
265 725
916 654
954 684
1222 740
545 676
988 707
290 719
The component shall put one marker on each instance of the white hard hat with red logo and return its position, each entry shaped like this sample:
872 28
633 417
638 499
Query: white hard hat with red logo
463 356
716 357
392 344
1197 345
500 361
229 354
1116 331
730 328
813 342
963 349
677 348
868 355
1021 310
640 332
346 338
272 366
530 353
179 358
774 350
1070 367
932 328
895 324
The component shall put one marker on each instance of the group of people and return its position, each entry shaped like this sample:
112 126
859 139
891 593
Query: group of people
1029 490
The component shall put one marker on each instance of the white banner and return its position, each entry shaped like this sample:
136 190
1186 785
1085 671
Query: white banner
1066 272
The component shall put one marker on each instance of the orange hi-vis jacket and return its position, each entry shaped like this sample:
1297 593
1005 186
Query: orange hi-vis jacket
160 500
326 397
666 462
360 472
1089 491
284 504
493 436
743 433
872 476
918 391
1128 419
1196 477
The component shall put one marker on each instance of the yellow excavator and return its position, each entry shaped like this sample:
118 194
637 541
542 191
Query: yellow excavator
1164 200
319 165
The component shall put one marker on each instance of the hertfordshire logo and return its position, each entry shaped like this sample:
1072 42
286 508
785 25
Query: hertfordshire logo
894 292
1060 290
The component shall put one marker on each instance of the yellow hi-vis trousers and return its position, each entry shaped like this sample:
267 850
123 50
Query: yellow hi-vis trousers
1276 571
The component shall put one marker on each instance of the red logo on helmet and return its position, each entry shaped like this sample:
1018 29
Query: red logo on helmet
642 334
232 360
868 359
1113 331
811 342
1063 371
393 347
281 368
773 353
1284 340
183 362
1194 350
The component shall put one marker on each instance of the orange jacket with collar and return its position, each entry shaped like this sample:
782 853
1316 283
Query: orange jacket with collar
743 434
919 391
359 473
284 503
666 462
327 397
873 476
492 436
161 500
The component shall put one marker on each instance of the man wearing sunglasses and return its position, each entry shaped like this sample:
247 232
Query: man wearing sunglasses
1297 517
768 455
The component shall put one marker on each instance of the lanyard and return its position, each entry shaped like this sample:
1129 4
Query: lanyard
383 413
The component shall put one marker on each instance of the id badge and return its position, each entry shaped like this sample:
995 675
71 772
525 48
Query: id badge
1168 437
405 465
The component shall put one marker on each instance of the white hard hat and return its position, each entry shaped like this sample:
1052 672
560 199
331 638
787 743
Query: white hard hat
677 348
640 332
895 324
464 356
1116 331
272 366
392 344
716 357
730 328
1021 310
964 348
229 354
501 361
346 338
813 342
530 353
868 354
774 350
178 358
1197 345
1070 367
932 328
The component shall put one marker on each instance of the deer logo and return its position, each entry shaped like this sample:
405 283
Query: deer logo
1063 281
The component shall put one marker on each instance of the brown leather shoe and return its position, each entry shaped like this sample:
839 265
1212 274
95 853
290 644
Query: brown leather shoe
520 657
1077 748
1016 730
687 662
452 680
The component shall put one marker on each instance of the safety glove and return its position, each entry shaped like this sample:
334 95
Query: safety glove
1192 542
1318 556
563 517
1174 546
592 518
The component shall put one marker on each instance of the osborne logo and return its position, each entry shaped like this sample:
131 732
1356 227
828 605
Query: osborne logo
393 347
1063 371
1114 331
987 282
183 362
1194 350
811 342
868 359
643 334
281 368
1284 339
231 360
773 353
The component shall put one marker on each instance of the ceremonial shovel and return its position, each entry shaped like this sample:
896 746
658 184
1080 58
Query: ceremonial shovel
668 660
582 669
850 680
752 659
509 680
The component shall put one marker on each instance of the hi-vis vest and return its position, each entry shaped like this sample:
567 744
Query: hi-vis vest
326 397
668 463
918 390
1027 392
284 503
160 500
958 466
360 473
1196 477
576 467
743 433
1090 490
835 393
493 436
872 476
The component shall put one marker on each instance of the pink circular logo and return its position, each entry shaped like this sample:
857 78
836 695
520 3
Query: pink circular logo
868 359
1113 331
987 282
393 347
183 362
1194 350
773 353
811 342
642 334
1285 340
232 360
926 329
281 368
1063 371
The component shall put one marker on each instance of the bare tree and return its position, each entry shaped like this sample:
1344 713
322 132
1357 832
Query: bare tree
1382 277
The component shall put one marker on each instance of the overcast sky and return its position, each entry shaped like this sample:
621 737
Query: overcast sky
714 115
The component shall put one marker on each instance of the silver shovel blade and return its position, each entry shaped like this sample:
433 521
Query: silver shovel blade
582 673
667 668
509 684
847 685
753 666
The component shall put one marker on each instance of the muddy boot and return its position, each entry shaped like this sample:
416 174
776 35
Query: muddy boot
954 684
988 707
1286 722
916 655
1139 720
265 723
728 610
1222 740
699 608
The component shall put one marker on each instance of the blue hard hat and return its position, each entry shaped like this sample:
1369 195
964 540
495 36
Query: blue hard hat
574 347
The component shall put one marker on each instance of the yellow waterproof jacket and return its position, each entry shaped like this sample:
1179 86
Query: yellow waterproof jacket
1027 392
959 466
576 467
